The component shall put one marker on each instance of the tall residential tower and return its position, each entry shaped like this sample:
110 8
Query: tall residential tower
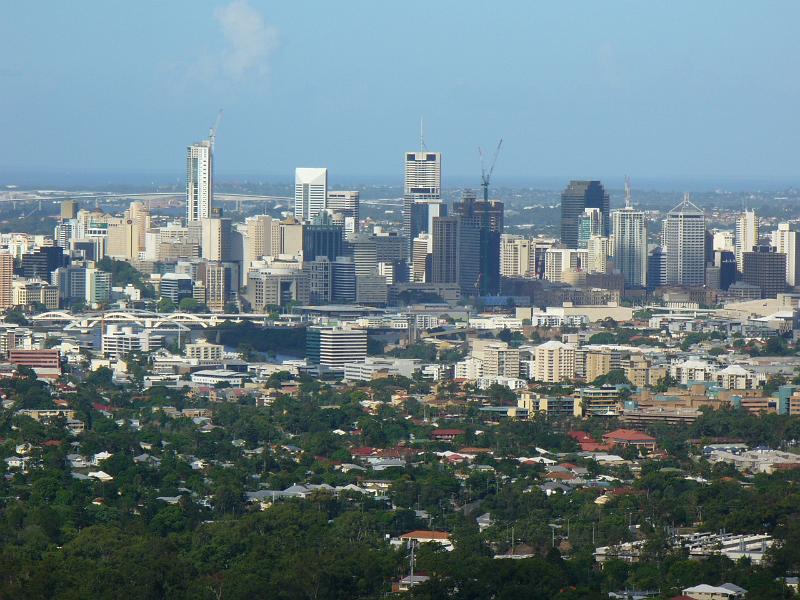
199 181
630 242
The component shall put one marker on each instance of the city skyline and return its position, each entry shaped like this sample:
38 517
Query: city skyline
737 121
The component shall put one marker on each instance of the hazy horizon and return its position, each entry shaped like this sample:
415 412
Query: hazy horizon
674 90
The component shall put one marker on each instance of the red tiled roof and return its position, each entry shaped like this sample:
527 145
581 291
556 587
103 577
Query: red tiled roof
629 435
365 451
421 533
447 432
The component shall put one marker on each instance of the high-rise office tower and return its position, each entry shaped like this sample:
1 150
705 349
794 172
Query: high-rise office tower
590 224
684 241
332 347
346 203
724 240
420 258
725 261
785 240
765 268
320 280
6 278
216 239
139 216
629 227
321 240
746 236
656 268
199 181
260 238
444 257
310 192
598 250
344 280
517 256
423 183
69 209
575 199
291 237
221 284
486 218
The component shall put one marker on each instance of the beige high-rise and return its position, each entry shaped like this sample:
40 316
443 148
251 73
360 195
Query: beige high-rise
6 279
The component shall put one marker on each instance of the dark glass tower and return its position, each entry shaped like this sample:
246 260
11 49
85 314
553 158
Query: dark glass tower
486 219
577 197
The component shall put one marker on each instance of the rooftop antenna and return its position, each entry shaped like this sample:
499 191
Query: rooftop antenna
212 133
628 200
422 134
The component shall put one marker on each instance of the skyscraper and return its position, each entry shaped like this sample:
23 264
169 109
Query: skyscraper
517 256
630 242
590 224
765 268
683 241
785 240
444 259
423 183
746 236
216 239
6 277
199 181
486 218
263 238
345 202
310 192
575 199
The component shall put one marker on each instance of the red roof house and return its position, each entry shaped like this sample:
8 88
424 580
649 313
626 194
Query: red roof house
630 437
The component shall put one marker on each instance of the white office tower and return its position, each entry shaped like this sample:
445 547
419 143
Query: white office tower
422 183
346 203
746 236
784 239
683 242
199 181
332 347
310 192
629 228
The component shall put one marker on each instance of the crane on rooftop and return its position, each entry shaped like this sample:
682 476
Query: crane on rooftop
487 175
212 133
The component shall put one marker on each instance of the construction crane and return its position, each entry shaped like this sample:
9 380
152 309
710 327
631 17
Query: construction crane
487 175
212 133
628 200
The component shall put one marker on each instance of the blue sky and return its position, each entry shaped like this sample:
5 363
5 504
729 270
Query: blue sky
576 89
